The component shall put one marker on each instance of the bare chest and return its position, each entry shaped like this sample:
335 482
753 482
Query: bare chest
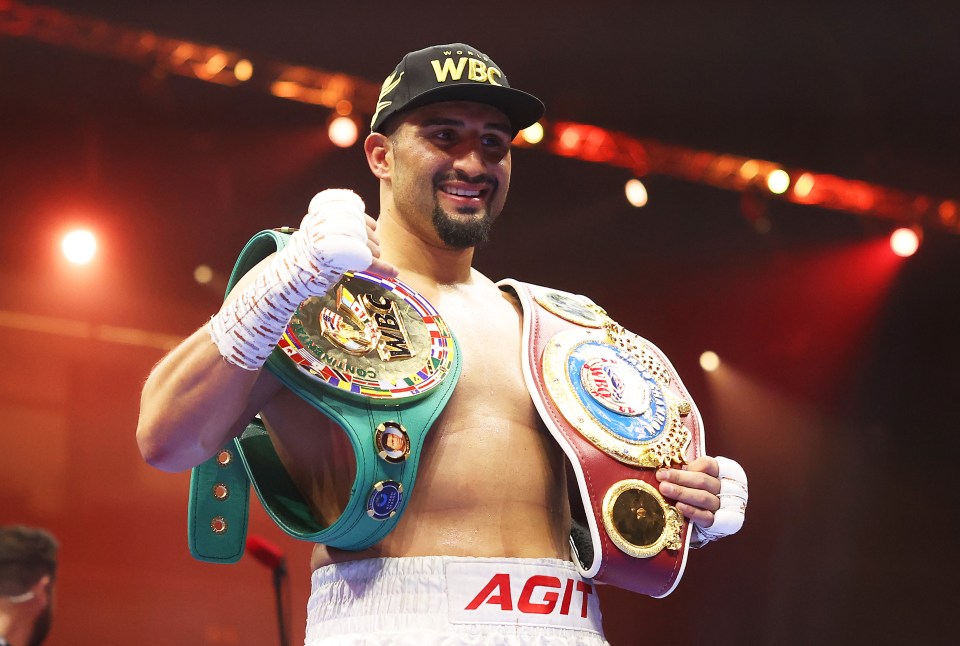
491 385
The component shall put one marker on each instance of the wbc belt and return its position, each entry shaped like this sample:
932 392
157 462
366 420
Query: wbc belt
616 406
376 358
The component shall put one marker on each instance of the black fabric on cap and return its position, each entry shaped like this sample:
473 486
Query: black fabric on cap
454 72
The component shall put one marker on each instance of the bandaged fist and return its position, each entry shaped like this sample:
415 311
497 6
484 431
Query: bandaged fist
335 236
335 232
334 227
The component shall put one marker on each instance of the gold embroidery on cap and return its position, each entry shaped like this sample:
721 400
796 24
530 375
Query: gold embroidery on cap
389 85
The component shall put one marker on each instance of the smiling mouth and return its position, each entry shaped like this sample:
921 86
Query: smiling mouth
472 193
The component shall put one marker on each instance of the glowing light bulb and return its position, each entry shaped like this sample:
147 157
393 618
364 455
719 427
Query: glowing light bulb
532 134
243 70
79 247
569 140
636 192
215 64
778 181
904 242
203 274
342 132
749 169
803 185
948 212
709 361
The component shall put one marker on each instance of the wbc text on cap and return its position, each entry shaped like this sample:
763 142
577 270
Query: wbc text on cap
453 72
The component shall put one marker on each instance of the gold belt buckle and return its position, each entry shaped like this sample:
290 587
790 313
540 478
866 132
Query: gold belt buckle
614 391
370 337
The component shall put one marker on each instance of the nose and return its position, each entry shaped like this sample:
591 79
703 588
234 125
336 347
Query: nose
471 161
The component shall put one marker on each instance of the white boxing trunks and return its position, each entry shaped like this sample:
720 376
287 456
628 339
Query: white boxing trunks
431 600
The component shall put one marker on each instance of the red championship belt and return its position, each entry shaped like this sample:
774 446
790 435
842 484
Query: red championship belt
616 406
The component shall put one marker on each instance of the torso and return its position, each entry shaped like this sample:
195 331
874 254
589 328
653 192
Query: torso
491 479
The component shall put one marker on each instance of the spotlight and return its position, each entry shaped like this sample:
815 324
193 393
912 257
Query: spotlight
532 134
243 70
778 181
749 170
904 242
948 213
569 140
342 131
709 361
803 186
79 246
636 192
215 64
203 274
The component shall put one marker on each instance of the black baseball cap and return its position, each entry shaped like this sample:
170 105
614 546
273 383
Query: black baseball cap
454 72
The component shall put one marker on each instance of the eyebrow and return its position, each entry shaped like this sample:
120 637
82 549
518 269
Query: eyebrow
446 121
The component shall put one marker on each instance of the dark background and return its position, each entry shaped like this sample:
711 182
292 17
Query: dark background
838 388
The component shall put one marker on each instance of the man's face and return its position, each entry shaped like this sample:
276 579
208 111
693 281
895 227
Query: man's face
394 442
451 161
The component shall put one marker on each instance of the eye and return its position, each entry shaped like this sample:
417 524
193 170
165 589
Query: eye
495 141
445 135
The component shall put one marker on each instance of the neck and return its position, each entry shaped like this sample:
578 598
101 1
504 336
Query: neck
427 259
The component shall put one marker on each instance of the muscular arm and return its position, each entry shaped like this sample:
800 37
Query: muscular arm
207 389
194 401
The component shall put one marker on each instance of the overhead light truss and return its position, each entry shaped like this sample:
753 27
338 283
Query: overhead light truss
350 94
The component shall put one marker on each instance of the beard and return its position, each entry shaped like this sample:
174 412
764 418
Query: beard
473 228
461 233
41 627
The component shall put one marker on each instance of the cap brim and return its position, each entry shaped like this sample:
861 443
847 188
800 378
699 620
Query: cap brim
521 108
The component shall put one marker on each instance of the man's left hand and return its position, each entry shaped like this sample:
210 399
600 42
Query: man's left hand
711 492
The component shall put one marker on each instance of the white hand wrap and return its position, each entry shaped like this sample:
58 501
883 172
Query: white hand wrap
332 239
733 503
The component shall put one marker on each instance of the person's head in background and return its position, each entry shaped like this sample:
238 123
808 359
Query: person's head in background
28 568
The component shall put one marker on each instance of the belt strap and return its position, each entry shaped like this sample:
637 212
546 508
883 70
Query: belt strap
218 506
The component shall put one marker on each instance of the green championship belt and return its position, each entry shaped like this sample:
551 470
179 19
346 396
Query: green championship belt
377 359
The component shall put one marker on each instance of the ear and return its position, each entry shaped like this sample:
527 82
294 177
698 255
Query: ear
41 590
378 150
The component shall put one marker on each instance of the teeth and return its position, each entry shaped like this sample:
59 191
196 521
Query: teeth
462 192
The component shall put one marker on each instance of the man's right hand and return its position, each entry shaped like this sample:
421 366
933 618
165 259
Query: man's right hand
339 236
